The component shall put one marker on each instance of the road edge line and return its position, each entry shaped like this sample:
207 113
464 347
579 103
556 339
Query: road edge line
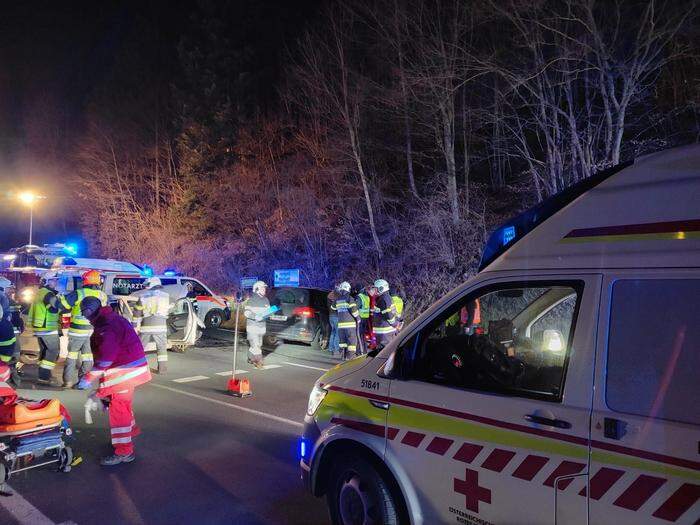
272 417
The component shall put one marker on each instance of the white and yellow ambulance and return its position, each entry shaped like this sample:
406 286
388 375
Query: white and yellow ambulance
572 397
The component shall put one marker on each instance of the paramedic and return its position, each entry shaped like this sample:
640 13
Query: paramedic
120 366
43 316
80 330
256 309
152 308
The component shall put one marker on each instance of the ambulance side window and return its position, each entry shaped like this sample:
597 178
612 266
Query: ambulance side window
196 288
512 339
653 357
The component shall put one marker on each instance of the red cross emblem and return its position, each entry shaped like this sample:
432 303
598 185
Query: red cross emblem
473 493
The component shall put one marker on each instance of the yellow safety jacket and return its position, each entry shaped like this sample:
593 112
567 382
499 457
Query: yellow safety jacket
43 314
79 325
363 305
398 303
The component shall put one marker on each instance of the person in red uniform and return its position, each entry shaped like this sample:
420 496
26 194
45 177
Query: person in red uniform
120 366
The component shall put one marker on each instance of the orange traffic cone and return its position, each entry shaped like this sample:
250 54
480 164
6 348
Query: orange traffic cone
239 387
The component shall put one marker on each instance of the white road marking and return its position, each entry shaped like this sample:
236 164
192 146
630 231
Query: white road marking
270 367
228 373
189 379
279 419
24 512
306 366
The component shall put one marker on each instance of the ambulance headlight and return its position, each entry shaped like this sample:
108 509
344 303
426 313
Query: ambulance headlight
315 399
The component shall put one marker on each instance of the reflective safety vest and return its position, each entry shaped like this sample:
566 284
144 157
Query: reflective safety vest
152 308
120 378
7 340
398 303
80 326
384 318
363 305
347 311
43 315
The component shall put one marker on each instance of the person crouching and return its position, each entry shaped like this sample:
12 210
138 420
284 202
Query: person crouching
120 366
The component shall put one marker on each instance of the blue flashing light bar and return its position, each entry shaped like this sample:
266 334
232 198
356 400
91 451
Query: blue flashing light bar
170 273
515 229
147 271
71 249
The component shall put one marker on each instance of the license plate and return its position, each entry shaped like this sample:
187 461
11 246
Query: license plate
278 317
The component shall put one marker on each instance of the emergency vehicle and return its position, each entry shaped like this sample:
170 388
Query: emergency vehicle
575 401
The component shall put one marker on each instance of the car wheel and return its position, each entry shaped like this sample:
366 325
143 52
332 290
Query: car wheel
359 495
214 318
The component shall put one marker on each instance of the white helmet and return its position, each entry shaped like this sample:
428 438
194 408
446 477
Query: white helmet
153 281
5 283
344 287
259 285
49 276
381 285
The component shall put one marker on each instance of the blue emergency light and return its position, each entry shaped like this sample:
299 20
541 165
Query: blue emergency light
147 271
302 448
170 273
71 248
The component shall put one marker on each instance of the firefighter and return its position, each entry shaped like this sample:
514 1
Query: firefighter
363 305
43 316
152 309
80 328
385 321
120 367
11 312
7 341
256 310
348 316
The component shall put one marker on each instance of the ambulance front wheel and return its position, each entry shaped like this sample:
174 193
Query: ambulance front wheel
359 494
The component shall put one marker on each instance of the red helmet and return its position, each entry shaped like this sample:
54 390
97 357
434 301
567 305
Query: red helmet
91 277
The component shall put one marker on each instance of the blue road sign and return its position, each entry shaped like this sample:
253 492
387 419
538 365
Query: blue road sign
286 277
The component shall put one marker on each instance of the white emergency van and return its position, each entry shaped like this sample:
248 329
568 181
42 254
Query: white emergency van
565 391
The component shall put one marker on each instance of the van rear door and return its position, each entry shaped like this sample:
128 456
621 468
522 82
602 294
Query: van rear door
489 419
645 432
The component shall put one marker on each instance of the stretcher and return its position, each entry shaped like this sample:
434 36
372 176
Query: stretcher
34 434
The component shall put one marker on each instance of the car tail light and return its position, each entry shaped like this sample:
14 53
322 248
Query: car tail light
304 311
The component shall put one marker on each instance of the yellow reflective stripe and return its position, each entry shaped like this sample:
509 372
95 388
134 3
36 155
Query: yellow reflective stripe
5 358
347 324
8 342
86 357
73 355
384 329
621 460
47 364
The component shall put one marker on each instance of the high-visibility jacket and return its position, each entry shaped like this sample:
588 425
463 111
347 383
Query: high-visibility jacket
120 362
152 308
348 312
79 325
384 318
43 314
363 305
398 303
7 339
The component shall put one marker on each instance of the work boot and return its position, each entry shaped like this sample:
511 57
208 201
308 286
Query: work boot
68 384
115 459
162 367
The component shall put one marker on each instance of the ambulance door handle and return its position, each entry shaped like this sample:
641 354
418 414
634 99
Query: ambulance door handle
558 423
379 404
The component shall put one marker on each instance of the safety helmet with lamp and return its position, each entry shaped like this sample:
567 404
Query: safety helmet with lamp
91 278
381 285
344 287
153 281
259 286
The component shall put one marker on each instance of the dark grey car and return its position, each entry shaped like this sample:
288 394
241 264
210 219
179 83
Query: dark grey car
302 315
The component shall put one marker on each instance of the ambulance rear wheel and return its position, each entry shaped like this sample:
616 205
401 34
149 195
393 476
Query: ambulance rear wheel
359 495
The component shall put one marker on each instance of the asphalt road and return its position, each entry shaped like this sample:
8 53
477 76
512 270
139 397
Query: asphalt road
203 455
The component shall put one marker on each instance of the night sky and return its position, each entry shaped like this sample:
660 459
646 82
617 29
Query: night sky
52 56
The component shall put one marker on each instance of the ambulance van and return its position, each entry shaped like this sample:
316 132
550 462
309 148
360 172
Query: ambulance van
571 398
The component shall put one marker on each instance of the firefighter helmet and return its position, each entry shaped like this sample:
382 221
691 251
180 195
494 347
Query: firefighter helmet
5 283
91 278
344 287
259 285
381 285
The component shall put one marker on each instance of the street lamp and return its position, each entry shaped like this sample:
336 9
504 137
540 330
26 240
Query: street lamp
29 198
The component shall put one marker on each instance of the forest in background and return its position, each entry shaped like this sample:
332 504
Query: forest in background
374 138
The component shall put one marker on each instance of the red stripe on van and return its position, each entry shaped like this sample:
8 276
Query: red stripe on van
601 483
680 501
637 229
639 492
363 426
627 451
413 439
439 446
565 468
530 466
498 459
467 452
